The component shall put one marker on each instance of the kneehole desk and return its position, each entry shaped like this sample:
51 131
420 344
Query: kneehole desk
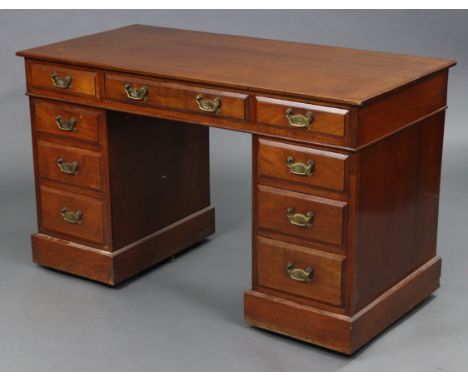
347 149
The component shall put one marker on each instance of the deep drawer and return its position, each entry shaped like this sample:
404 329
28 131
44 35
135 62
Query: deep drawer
67 120
211 102
63 79
301 215
298 270
302 164
302 117
72 215
71 165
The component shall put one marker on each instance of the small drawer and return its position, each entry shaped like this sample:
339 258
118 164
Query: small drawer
72 215
63 79
141 91
67 164
302 117
299 270
301 215
302 164
68 120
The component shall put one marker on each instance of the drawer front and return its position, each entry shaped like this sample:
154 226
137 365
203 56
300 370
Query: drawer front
63 79
301 215
301 164
302 117
68 120
298 270
67 164
210 102
72 215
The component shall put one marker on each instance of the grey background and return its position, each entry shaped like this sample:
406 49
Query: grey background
187 315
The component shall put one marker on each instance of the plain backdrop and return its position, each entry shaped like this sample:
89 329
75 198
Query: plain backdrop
188 314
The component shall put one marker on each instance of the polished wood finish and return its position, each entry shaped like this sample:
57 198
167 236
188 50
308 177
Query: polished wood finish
91 226
175 96
88 120
159 173
82 83
366 164
410 105
297 69
328 215
120 184
114 267
345 334
399 182
325 120
89 165
329 170
273 258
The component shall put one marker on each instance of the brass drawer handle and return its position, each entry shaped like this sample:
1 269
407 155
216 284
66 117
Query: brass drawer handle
298 168
299 220
299 120
138 94
61 82
70 216
69 125
208 105
70 168
298 274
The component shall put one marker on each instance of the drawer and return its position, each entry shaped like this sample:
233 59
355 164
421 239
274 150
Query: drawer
302 116
299 271
301 215
68 120
63 79
206 101
67 164
302 164
72 215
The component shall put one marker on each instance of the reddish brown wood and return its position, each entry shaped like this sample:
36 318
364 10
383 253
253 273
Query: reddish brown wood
88 174
396 302
335 331
376 142
159 174
303 70
163 244
328 221
88 123
329 169
83 82
114 267
175 96
409 105
273 258
71 257
398 206
91 227
326 120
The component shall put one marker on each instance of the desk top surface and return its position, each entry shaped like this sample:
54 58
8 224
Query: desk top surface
324 73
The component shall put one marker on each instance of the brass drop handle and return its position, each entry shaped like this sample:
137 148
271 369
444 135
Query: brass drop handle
69 168
298 219
299 274
299 120
69 125
208 105
70 216
135 93
298 168
61 82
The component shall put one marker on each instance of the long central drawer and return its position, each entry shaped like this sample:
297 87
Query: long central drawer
143 91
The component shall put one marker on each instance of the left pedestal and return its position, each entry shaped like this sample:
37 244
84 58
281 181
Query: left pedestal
116 193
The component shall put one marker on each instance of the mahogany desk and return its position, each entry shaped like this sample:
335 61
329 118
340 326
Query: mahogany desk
346 168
